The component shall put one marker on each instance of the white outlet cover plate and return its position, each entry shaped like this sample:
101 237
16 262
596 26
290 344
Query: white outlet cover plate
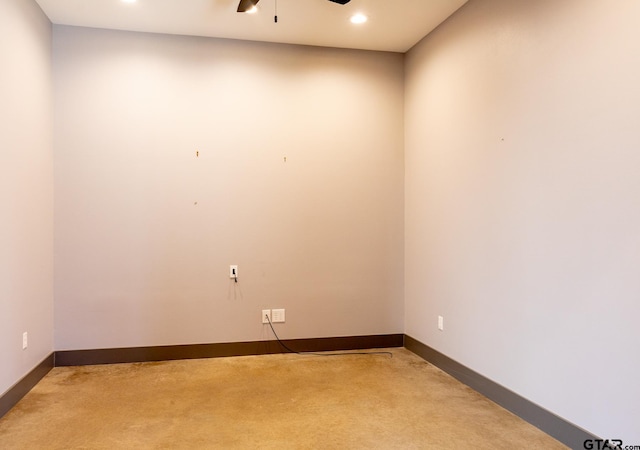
233 271
266 313
277 315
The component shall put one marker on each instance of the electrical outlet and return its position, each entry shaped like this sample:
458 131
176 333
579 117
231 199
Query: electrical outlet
233 271
25 340
440 323
266 313
277 315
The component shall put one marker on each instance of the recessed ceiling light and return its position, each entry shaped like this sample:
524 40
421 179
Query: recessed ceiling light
358 18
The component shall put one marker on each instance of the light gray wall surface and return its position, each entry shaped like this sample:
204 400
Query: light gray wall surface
145 230
26 189
522 189
520 195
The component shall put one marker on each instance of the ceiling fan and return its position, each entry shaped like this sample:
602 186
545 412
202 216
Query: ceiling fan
246 5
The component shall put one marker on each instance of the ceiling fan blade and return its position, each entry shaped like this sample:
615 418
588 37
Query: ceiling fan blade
342 2
246 5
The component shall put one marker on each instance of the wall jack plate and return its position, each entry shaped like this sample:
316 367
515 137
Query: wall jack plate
266 313
233 271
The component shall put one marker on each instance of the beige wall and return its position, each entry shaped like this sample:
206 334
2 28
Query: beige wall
522 202
26 183
139 263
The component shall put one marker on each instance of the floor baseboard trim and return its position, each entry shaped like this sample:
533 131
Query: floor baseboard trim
196 351
555 426
565 432
10 398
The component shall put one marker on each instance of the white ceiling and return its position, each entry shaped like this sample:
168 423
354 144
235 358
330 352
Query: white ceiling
394 25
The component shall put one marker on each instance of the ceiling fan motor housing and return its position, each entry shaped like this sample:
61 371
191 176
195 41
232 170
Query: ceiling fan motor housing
246 5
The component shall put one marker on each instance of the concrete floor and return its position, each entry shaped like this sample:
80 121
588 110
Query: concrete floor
263 402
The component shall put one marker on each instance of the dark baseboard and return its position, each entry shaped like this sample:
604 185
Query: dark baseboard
171 352
567 433
546 421
22 387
